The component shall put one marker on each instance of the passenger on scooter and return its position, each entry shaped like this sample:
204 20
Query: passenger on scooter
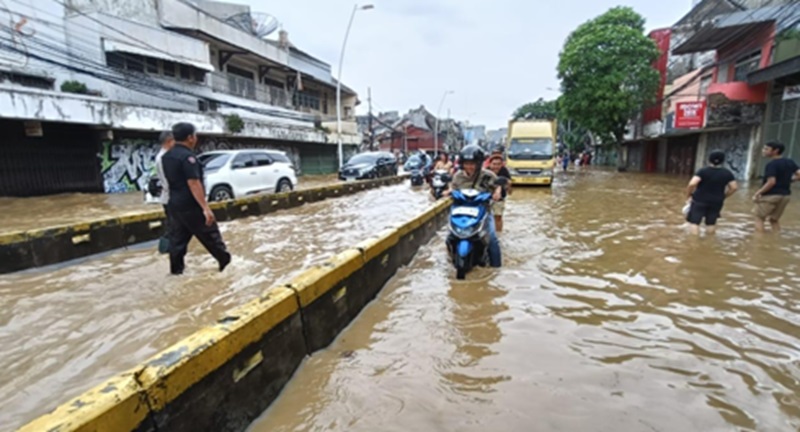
472 176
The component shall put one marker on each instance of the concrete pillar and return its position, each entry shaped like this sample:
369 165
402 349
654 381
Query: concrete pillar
700 157
754 152
662 155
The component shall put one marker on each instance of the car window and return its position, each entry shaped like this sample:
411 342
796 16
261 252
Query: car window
242 160
261 159
214 161
363 158
277 157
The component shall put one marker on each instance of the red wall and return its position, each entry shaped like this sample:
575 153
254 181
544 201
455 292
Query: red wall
761 40
662 38
418 139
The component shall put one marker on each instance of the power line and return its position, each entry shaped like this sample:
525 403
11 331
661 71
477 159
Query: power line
143 78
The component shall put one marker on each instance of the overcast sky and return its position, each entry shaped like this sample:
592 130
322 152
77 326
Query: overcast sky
495 55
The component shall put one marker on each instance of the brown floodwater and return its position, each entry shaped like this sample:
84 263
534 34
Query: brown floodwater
45 211
607 316
66 328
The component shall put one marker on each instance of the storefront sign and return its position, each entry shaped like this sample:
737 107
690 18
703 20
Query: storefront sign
33 129
690 115
791 92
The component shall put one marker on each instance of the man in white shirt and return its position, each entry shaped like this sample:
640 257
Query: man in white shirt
167 142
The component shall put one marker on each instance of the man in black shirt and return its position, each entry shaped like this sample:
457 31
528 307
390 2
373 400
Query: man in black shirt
707 191
773 197
187 202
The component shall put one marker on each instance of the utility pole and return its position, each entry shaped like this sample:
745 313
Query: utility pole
371 133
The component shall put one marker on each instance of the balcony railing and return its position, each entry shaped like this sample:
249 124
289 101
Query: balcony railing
249 89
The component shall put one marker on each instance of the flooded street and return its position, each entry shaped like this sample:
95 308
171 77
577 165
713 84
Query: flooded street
606 317
45 211
66 328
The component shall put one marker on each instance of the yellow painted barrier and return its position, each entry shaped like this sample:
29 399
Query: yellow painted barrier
223 376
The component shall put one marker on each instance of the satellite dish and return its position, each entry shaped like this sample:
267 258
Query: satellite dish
259 24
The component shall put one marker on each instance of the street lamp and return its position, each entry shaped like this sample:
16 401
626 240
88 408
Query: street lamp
436 132
356 8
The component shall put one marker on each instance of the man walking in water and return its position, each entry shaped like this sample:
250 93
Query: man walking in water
167 142
187 202
707 191
773 197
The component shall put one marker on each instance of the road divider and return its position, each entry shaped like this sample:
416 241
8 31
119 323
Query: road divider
21 250
224 376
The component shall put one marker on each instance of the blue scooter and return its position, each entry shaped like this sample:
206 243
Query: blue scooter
468 241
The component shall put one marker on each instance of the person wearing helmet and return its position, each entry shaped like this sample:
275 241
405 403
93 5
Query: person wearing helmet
472 176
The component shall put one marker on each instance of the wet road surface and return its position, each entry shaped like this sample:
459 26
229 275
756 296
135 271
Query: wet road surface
65 328
606 317
45 211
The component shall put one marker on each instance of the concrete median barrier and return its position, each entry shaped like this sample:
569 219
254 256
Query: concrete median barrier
224 376
25 249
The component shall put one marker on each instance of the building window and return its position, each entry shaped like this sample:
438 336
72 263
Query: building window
154 66
308 99
746 65
169 68
26 80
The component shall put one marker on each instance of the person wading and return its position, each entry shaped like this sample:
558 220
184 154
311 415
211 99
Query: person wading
707 191
498 207
167 142
191 215
773 197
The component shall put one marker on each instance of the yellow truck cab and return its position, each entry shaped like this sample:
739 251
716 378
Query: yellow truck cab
531 151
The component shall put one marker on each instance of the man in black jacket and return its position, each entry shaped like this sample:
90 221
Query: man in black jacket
191 215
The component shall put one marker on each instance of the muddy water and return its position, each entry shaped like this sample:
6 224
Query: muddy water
41 212
606 317
65 329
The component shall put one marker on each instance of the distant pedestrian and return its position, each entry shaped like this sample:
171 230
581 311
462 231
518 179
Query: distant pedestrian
497 150
773 197
443 163
187 202
167 142
707 191
498 207
565 160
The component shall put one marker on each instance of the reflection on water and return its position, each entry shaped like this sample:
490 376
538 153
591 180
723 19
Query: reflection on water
45 211
65 328
607 316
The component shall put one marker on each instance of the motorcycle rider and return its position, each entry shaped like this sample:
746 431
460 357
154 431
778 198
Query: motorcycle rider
472 176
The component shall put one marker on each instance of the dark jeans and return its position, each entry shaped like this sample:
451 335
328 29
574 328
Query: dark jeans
186 224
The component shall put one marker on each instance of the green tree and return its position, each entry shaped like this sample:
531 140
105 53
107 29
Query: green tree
607 75
541 109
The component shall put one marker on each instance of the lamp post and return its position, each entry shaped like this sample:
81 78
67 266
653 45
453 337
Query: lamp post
356 8
436 132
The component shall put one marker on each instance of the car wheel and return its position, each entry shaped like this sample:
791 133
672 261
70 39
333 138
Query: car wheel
221 193
284 186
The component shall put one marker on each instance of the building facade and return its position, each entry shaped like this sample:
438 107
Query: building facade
87 85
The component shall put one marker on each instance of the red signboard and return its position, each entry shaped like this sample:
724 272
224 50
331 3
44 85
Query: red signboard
662 40
690 115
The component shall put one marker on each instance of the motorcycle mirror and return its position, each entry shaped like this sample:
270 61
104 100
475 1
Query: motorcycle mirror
501 181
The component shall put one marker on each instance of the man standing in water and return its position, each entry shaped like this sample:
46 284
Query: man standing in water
707 191
187 202
167 142
773 197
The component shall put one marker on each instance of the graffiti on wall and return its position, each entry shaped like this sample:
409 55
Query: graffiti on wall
735 143
226 143
126 164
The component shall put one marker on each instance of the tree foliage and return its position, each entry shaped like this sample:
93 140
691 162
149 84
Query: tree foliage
606 71
541 109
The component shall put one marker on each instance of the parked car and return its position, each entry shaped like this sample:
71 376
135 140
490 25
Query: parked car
368 166
232 174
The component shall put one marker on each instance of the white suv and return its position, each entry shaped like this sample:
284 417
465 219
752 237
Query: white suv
232 174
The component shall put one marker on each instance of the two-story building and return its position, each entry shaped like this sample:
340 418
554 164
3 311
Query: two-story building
86 86
721 107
